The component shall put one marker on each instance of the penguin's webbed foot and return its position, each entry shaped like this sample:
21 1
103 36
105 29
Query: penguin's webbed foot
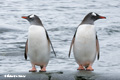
33 70
43 69
89 68
81 68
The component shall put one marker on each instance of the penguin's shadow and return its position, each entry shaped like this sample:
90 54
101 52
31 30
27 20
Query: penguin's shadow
84 75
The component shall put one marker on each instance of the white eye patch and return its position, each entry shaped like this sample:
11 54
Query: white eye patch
94 14
31 16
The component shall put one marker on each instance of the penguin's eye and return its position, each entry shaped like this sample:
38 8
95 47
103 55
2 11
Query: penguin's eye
94 14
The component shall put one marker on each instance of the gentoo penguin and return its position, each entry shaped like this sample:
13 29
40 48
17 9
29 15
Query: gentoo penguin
38 44
85 42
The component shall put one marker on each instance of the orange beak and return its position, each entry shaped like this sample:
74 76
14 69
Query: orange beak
24 17
102 17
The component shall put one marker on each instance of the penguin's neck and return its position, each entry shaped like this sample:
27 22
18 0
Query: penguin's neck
88 21
36 23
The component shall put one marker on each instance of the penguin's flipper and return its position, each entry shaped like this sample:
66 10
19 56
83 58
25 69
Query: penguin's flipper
26 49
97 48
50 42
72 44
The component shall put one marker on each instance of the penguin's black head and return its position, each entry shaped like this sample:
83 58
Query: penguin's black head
95 16
91 17
33 19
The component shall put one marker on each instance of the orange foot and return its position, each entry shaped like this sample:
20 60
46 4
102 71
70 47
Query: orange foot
89 68
81 68
33 69
43 69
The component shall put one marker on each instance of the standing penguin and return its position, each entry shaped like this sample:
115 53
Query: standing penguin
38 44
85 42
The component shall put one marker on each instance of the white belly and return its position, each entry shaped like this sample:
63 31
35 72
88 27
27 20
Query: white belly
38 46
84 46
